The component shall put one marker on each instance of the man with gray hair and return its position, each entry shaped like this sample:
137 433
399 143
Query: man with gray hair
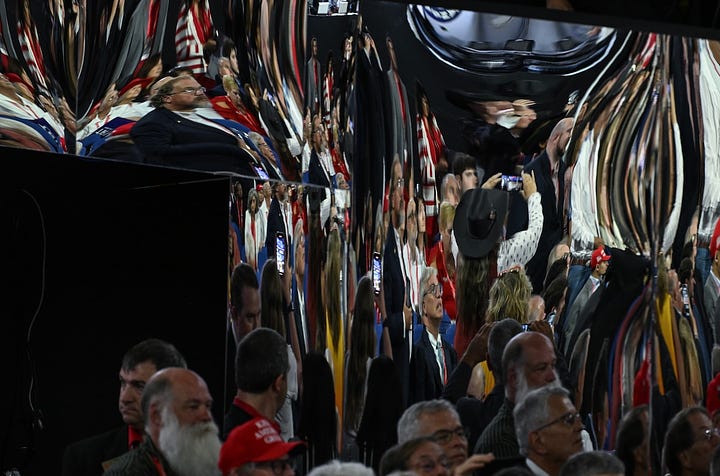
437 419
181 437
593 463
548 429
528 362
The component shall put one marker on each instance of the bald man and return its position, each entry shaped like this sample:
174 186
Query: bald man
180 435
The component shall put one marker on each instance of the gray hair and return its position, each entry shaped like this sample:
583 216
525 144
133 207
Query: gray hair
337 468
592 463
426 275
408 426
255 138
532 412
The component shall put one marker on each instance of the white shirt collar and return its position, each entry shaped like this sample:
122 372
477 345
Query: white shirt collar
536 470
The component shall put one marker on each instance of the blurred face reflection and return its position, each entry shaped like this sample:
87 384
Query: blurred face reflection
233 61
187 95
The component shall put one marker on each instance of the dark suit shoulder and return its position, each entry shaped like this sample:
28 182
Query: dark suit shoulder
85 457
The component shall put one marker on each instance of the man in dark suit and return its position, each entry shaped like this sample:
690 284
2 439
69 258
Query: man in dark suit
549 171
399 122
279 215
92 456
433 358
181 132
398 317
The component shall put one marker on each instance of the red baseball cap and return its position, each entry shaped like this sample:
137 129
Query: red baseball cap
253 442
597 256
712 395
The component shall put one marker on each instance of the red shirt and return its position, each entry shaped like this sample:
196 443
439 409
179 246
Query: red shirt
250 410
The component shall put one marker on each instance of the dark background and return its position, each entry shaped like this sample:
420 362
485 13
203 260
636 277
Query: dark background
132 252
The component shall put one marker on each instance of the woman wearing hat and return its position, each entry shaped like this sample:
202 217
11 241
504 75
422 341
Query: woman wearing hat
479 226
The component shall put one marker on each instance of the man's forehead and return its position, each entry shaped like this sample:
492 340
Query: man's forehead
431 422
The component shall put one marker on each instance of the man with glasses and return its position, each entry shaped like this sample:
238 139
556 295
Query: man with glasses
690 442
433 358
438 420
255 448
548 429
184 131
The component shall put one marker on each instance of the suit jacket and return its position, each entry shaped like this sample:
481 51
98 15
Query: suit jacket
552 231
573 315
275 223
85 457
425 382
166 138
312 85
394 289
302 331
400 129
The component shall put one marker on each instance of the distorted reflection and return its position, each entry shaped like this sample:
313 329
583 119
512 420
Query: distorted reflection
195 103
34 112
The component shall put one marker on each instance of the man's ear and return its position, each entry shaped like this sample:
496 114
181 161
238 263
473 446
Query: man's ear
684 459
277 383
155 414
536 443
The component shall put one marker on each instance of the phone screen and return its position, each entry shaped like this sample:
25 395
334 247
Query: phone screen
510 182
280 252
261 173
376 272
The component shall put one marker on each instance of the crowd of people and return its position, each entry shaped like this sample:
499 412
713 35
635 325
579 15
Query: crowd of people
414 310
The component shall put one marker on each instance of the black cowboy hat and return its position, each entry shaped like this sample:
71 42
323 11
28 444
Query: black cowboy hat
479 221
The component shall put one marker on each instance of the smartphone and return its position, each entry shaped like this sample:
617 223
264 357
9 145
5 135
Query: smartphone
376 272
280 252
261 173
511 182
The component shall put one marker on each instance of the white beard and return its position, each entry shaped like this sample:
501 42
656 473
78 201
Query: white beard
523 387
190 450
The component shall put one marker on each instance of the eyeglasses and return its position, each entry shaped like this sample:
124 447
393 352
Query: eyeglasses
568 419
190 91
708 433
514 269
434 289
443 437
277 466
427 465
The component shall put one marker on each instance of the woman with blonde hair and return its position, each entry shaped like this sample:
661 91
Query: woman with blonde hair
334 320
509 296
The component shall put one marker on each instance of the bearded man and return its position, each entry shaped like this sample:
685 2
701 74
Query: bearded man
181 438
528 362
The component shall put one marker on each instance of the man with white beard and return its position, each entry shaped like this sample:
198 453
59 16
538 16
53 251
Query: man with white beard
181 438
528 362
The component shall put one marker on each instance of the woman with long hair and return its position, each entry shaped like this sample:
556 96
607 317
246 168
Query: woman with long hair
358 360
273 317
334 322
318 418
509 296
472 289
381 413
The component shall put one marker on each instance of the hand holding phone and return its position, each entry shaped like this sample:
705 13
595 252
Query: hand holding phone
376 272
280 252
